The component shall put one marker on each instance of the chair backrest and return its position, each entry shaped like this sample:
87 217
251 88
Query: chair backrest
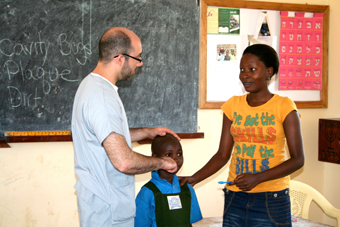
301 196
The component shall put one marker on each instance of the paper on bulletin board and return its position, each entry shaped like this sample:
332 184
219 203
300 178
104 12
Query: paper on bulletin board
223 20
224 74
301 51
262 32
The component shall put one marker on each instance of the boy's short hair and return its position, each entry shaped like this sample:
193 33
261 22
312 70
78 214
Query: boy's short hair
160 140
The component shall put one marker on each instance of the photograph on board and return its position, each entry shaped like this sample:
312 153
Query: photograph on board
226 52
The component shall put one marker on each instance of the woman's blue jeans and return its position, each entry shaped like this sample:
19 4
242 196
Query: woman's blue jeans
266 209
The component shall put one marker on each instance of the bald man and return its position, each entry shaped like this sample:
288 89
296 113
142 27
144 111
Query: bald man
105 163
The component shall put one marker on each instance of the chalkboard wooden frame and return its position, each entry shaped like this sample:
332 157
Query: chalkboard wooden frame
19 139
204 104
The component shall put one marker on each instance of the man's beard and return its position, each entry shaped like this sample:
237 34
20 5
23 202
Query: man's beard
126 71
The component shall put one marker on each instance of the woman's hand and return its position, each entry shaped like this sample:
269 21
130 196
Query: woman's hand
190 180
246 181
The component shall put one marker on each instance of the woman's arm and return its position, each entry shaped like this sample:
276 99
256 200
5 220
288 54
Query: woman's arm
292 129
218 160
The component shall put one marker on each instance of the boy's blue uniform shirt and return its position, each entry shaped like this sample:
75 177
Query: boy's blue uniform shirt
145 201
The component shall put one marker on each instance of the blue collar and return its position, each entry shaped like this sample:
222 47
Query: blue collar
155 176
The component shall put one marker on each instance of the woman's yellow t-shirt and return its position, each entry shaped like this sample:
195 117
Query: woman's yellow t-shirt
259 138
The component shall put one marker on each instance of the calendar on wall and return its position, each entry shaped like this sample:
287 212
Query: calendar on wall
300 51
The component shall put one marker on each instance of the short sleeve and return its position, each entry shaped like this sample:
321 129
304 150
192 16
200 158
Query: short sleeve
195 214
103 113
227 108
145 208
286 106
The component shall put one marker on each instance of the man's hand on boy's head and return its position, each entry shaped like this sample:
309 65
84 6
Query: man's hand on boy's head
161 131
169 165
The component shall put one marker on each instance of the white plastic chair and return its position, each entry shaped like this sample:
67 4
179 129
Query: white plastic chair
301 196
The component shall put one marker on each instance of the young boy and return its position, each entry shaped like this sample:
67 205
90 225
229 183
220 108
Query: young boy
162 201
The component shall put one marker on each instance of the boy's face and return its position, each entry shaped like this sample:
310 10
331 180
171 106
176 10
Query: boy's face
172 150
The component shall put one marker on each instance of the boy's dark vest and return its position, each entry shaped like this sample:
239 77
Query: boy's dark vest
170 213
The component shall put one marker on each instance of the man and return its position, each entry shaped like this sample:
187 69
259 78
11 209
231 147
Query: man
220 56
104 162
233 55
227 56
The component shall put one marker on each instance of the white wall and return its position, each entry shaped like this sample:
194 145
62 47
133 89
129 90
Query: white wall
36 179
36 185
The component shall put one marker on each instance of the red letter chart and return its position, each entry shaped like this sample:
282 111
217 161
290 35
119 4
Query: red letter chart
300 52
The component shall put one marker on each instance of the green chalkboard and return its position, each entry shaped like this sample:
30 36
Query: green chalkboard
48 47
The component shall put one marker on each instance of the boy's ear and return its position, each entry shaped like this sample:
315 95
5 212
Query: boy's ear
154 155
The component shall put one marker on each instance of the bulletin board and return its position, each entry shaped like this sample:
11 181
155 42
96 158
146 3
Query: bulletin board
219 80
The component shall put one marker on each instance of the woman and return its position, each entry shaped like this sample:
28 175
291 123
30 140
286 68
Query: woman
255 129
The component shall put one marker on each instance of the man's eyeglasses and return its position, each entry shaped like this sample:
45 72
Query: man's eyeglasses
137 59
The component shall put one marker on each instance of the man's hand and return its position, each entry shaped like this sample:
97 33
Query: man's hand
144 133
169 165
161 131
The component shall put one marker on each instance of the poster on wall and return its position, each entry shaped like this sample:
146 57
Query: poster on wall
300 51
223 20
226 52
262 32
